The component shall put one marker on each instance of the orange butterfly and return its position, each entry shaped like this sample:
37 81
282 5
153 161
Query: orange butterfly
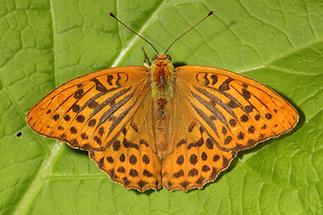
162 126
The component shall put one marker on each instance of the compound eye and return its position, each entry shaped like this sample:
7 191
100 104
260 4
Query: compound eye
168 57
154 57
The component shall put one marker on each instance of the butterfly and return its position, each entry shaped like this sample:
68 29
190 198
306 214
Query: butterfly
161 126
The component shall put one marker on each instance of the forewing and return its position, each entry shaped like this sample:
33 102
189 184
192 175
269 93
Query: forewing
89 112
236 111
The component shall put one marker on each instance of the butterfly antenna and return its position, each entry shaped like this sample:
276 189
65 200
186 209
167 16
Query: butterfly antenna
191 28
113 16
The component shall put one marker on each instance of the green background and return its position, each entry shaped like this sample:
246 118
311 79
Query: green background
44 43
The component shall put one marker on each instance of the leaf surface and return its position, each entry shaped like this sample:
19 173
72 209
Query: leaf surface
45 43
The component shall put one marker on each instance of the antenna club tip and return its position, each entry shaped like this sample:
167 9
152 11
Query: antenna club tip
210 13
111 14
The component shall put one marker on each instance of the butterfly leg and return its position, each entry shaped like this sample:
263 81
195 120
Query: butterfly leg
147 62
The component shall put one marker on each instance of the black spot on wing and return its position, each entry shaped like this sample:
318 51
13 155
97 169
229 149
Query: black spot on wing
225 85
98 85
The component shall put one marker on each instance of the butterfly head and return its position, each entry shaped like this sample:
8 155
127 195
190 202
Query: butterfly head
162 59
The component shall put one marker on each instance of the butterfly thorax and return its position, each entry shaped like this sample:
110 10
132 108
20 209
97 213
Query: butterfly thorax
162 89
162 77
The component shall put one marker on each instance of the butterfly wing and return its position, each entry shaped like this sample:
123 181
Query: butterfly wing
132 159
194 159
237 111
219 113
109 114
90 111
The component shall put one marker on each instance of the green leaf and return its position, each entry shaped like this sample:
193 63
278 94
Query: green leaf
45 43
